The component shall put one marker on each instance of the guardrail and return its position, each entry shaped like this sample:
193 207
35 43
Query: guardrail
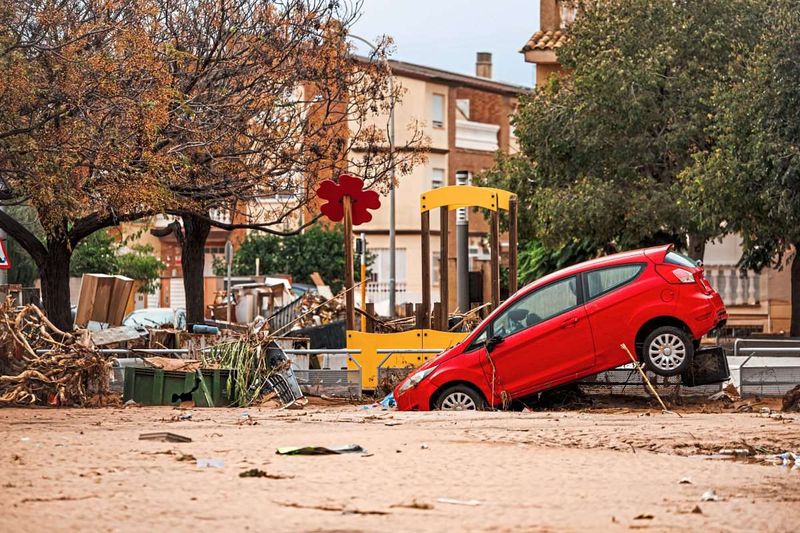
766 369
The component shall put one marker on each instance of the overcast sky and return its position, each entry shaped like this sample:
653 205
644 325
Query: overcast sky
447 33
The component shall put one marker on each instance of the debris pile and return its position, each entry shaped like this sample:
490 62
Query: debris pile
315 310
791 400
71 373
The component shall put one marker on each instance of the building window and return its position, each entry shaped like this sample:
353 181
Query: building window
435 268
380 266
437 113
462 104
437 179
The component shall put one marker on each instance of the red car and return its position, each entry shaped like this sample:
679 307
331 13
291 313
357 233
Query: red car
569 325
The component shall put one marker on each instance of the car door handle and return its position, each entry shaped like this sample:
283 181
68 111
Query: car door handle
569 323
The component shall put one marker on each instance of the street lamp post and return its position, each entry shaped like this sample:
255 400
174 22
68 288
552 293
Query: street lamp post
392 239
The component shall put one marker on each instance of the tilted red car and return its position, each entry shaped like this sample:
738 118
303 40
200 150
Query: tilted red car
569 325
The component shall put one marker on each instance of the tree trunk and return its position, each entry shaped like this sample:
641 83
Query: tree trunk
193 243
795 281
697 247
54 271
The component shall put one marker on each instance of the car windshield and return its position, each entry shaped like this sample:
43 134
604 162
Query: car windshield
676 258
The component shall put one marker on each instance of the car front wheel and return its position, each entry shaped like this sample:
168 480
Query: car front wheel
667 351
460 398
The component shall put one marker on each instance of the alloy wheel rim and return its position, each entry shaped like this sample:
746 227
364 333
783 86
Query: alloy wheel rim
458 401
667 351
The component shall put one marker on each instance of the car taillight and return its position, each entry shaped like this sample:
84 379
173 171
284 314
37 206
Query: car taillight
703 282
675 274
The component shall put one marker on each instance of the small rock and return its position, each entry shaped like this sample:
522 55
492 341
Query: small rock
685 481
697 510
709 496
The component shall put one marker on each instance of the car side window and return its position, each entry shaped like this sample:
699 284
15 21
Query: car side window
538 306
601 281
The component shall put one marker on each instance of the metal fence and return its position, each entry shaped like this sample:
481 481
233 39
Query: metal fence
343 383
626 380
284 315
767 367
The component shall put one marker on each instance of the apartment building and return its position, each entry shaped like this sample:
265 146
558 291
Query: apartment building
758 302
467 119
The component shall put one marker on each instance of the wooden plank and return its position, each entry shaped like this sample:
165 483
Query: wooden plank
426 268
444 280
348 263
495 260
512 245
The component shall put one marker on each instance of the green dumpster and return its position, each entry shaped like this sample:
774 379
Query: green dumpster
152 386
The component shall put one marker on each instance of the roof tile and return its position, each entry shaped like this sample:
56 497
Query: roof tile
545 40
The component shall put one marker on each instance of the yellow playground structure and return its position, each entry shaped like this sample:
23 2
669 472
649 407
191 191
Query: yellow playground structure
375 347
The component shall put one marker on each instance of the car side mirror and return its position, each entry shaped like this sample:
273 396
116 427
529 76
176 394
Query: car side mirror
494 341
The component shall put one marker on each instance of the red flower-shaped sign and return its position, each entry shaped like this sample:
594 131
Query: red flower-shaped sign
360 199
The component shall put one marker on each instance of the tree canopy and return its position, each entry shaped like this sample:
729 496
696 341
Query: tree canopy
603 146
749 182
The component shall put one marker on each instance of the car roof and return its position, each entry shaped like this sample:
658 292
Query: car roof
607 260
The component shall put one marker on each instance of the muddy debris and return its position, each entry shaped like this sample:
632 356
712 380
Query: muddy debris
791 400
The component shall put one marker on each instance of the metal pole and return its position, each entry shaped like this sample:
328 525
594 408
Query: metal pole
228 293
392 203
462 250
363 280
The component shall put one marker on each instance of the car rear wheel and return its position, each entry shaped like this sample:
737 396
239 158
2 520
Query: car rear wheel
667 351
460 398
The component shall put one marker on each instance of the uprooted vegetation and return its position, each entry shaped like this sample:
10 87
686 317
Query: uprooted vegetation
43 365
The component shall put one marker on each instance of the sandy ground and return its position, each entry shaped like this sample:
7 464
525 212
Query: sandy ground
70 470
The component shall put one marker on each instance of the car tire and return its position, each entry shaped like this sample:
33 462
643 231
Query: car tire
460 398
667 351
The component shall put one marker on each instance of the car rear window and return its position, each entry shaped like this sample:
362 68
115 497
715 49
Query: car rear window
607 279
676 258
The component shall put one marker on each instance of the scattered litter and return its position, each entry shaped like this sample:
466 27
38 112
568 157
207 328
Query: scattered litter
389 401
332 508
709 496
246 420
424 446
185 416
452 501
320 450
185 457
164 436
130 403
25 439
210 462
395 423
256 472
643 516
765 411
736 452
414 505
685 481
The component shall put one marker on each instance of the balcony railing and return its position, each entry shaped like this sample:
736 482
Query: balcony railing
379 290
734 287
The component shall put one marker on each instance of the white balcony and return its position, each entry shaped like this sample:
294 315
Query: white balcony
735 288
477 136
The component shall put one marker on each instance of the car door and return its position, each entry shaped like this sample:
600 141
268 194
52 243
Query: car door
613 296
551 341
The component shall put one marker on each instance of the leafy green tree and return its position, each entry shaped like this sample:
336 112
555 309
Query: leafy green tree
318 249
96 254
101 253
602 146
140 264
750 183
